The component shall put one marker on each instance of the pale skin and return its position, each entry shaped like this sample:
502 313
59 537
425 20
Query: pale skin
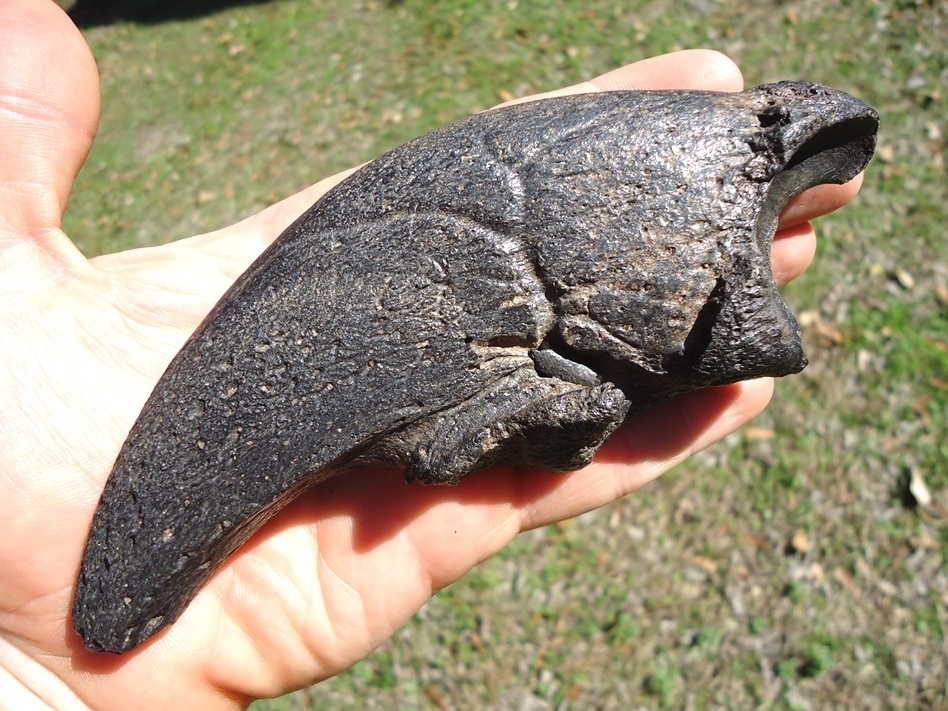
339 571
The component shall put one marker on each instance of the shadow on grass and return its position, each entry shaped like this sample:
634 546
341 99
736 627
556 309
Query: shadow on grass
90 13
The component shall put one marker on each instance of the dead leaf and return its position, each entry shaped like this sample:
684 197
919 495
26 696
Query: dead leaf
924 540
807 318
918 488
603 558
845 578
705 563
941 293
755 541
800 542
905 279
920 405
824 330
431 691
759 433
938 384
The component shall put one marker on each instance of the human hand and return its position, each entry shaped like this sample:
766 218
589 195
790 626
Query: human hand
337 572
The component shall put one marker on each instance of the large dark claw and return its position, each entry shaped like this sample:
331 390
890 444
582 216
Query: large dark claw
507 288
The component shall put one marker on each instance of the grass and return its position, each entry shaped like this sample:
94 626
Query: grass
699 591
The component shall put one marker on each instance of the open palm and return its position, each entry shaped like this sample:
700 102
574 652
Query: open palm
83 343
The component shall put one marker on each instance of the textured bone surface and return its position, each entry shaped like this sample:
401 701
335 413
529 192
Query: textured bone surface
505 289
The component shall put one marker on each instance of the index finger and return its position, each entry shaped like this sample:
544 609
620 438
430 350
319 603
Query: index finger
688 69
698 69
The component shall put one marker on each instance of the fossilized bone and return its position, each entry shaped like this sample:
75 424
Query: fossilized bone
505 289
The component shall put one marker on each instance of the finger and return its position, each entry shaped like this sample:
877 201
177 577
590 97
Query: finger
392 545
818 201
272 221
652 442
792 252
794 244
49 107
689 69
702 69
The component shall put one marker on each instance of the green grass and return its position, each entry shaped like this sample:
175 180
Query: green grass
688 594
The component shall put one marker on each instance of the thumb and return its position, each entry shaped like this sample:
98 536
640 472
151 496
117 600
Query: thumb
49 111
